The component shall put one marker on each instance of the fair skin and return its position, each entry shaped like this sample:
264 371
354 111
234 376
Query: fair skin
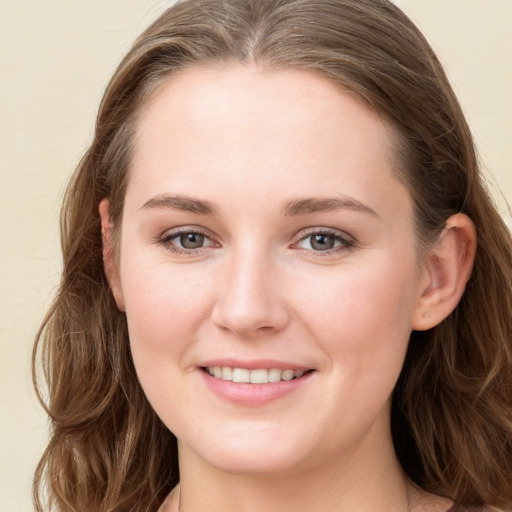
264 228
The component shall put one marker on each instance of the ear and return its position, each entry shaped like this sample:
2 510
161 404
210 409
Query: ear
447 270
109 262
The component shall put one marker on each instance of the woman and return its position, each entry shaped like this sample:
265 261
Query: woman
272 295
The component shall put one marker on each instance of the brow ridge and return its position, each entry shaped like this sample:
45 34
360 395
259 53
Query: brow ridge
325 204
295 207
181 202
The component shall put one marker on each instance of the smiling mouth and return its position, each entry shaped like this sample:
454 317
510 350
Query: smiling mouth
256 376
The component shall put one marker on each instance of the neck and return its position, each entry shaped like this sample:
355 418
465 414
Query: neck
343 486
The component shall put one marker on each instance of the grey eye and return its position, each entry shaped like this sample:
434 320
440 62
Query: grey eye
191 240
322 242
325 241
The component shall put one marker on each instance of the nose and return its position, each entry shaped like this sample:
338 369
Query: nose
250 297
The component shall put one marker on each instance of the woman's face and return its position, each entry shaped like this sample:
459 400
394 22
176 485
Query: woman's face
264 229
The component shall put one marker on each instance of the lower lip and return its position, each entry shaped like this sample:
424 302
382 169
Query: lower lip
255 395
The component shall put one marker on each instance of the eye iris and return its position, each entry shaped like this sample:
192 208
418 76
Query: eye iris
322 242
192 240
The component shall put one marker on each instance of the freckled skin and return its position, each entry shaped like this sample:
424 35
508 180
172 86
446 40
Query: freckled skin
248 142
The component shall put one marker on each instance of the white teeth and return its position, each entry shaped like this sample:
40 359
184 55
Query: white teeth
227 373
274 375
241 375
258 376
287 374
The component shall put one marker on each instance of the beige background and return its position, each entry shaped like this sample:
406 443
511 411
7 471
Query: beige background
55 59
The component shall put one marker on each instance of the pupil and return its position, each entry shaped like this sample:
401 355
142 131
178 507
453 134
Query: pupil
322 242
192 240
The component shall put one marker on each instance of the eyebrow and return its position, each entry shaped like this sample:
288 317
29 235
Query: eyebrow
182 203
327 204
292 208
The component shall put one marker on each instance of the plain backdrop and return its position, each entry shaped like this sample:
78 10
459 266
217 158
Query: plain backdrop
56 57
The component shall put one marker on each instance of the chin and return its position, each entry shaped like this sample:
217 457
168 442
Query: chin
257 464
258 454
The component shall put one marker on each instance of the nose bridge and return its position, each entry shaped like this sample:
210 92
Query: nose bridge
249 301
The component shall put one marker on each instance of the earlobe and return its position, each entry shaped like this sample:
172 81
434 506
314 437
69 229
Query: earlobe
109 262
448 269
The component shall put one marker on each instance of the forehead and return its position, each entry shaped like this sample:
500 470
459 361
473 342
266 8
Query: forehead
242 125
215 92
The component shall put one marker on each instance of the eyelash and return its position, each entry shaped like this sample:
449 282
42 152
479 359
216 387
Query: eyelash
345 241
166 240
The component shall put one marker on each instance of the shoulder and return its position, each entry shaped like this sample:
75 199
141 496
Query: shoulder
459 508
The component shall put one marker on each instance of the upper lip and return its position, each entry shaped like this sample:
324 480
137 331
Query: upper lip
253 364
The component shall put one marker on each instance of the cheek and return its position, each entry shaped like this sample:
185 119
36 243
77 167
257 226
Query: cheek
165 310
361 317
164 305
360 299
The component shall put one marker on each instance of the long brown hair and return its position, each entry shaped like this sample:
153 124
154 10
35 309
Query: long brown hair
452 406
